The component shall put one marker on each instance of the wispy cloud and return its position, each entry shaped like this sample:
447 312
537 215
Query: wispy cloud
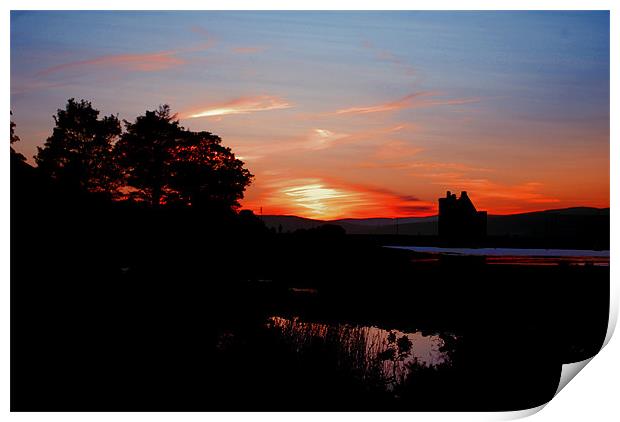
401 160
417 99
148 62
400 104
433 166
454 101
319 139
396 150
324 138
248 50
388 56
202 31
142 62
138 62
23 85
243 105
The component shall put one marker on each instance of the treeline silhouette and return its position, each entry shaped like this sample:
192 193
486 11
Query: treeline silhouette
154 159
137 285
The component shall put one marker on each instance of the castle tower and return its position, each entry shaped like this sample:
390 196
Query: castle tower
459 219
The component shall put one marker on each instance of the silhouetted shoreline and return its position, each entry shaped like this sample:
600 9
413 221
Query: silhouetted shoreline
570 228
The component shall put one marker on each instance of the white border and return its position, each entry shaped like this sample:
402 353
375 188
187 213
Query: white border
593 395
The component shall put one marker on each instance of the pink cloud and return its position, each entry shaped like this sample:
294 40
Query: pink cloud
142 62
149 62
243 105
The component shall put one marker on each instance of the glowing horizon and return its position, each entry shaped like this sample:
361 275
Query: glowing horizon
347 114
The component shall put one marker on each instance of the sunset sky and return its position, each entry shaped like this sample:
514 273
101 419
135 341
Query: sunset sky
346 114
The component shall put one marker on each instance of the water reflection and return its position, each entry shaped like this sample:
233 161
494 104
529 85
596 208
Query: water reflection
530 261
549 261
373 355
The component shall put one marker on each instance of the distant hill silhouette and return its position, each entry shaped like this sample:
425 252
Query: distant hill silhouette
415 225
565 222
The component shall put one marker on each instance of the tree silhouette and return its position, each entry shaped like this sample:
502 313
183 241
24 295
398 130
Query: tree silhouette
144 153
14 138
79 153
205 173
165 163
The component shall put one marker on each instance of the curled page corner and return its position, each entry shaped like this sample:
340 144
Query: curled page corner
569 371
613 312
518 414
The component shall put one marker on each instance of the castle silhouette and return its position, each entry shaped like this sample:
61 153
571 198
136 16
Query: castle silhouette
459 219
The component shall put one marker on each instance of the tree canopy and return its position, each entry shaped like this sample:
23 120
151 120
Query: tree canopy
167 164
78 155
203 172
154 160
144 153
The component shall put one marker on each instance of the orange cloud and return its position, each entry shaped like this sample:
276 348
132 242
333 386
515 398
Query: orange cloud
500 198
396 150
149 62
242 105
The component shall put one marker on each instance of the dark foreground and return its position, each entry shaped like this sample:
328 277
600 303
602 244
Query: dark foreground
119 308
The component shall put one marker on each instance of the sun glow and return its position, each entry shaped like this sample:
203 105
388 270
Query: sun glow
319 199
329 199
